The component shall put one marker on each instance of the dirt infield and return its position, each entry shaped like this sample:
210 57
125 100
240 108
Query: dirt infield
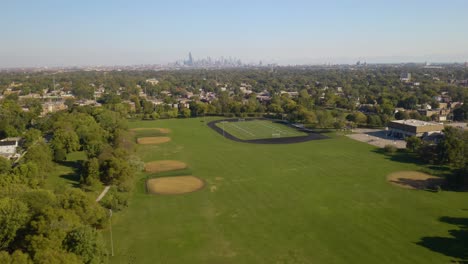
164 165
159 129
174 185
153 140
414 180
284 140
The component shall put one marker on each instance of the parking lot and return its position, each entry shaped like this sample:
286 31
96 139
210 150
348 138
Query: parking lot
376 137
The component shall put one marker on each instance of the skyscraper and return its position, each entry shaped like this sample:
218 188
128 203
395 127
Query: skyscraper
190 59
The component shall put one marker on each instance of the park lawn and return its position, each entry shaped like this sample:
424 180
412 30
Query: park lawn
324 201
66 173
259 129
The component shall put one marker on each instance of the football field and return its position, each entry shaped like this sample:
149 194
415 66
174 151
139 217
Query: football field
258 129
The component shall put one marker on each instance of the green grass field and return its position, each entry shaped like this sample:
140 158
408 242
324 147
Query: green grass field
66 173
258 129
324 201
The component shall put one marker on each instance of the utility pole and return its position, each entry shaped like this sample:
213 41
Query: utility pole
110 226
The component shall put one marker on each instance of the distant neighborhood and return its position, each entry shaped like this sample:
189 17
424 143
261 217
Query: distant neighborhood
340 97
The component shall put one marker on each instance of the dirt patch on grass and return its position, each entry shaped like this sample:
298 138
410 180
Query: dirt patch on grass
414 180
164 165
153 140
159 129
174 185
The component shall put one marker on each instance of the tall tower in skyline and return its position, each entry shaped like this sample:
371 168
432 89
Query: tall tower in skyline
190 59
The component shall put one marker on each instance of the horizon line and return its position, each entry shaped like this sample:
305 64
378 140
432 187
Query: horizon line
173 65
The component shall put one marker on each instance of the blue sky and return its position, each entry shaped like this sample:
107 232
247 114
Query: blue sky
59 33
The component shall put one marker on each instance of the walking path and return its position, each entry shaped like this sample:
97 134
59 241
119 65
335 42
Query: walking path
103 193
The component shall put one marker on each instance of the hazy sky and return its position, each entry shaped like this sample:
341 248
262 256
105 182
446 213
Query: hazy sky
98 32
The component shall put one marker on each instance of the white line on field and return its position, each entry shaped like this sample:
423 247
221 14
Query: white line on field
272 127
240 128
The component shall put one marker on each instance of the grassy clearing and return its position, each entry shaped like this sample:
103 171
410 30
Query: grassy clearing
67 173
258 129
324 201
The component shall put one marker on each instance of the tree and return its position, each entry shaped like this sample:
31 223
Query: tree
48 229
56 256
30 173
110 120
275 108
415 115
390 149
115 170
18 257
91 173
13 216
402 115
357 117
461 113
410 102
31 136
86 243
82 90
41 155
185 112
374 121
427 152
324 119
5 165
413 143
198 108
69 102
75 200
65 139
306 116
453 148
305 99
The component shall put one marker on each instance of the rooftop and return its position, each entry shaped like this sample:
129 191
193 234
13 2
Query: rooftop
414 122
11 139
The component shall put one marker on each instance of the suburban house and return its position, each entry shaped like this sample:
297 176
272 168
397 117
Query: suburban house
51 107
440 114
8 147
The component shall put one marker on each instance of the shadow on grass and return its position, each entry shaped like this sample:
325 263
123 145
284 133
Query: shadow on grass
74 177
400 156
444 172
428 184
455 246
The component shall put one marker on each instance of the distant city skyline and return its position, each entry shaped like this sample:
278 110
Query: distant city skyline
80 33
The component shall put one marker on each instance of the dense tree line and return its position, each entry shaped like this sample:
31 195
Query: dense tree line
61 225
377 90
